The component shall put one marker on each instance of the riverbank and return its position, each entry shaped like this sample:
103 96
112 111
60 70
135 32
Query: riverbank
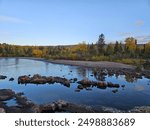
94 64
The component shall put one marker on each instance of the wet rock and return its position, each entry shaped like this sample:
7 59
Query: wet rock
53 107
77 90
3 77
11 79
23 101
111 85
88 89
141 109
24 79
38 79
63 81
6 94
75 108
75 79
80 86
84 82
115 90
101 85
110 110
2 110
122 86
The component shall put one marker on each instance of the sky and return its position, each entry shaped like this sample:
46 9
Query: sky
65 22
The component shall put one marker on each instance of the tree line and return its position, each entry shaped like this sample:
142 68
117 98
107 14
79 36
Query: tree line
99 51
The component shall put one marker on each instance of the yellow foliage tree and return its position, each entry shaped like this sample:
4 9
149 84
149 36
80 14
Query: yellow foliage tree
131 44
147 48
37 53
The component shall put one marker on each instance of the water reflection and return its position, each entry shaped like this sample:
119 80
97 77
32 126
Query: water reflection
16 63
82 72
130 92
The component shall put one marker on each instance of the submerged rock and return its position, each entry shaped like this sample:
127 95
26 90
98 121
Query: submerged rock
11 79
3 77
115 90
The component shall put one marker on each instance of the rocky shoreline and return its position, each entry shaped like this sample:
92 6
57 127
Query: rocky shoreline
23 105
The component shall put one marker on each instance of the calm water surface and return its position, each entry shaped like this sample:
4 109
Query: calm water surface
135 93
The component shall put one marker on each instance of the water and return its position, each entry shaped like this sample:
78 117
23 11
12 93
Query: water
135 93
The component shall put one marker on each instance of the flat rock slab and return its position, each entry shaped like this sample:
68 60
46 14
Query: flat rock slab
6 94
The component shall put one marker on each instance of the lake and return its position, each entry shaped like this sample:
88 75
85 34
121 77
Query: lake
135 93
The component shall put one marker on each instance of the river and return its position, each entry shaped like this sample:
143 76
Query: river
135 93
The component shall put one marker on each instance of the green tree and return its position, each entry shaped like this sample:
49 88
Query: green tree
110 49
101 44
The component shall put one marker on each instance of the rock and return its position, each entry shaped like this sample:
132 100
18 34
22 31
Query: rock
122 86
38 79
2 110
111 85
62 102
141 109
88 89
11 79
77 90
6 94
110 110
84 82
115 90
75 108
101 85
75 79
48 108
80 86
24 79
3 77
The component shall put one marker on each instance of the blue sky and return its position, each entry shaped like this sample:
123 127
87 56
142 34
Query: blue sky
55 22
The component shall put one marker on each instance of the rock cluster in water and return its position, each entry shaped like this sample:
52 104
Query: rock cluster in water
38 79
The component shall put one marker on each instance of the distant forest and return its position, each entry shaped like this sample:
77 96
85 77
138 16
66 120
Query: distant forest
129 51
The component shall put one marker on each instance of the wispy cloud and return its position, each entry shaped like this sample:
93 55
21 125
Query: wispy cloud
10 19
124 34
143 39
139 23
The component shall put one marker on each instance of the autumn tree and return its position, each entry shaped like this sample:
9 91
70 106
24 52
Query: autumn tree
147 49
130 45
37 53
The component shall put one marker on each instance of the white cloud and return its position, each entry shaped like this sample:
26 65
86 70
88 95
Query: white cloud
12 20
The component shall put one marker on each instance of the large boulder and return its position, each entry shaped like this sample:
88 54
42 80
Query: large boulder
6 94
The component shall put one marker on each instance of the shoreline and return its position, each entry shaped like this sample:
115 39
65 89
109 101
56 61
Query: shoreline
88 64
